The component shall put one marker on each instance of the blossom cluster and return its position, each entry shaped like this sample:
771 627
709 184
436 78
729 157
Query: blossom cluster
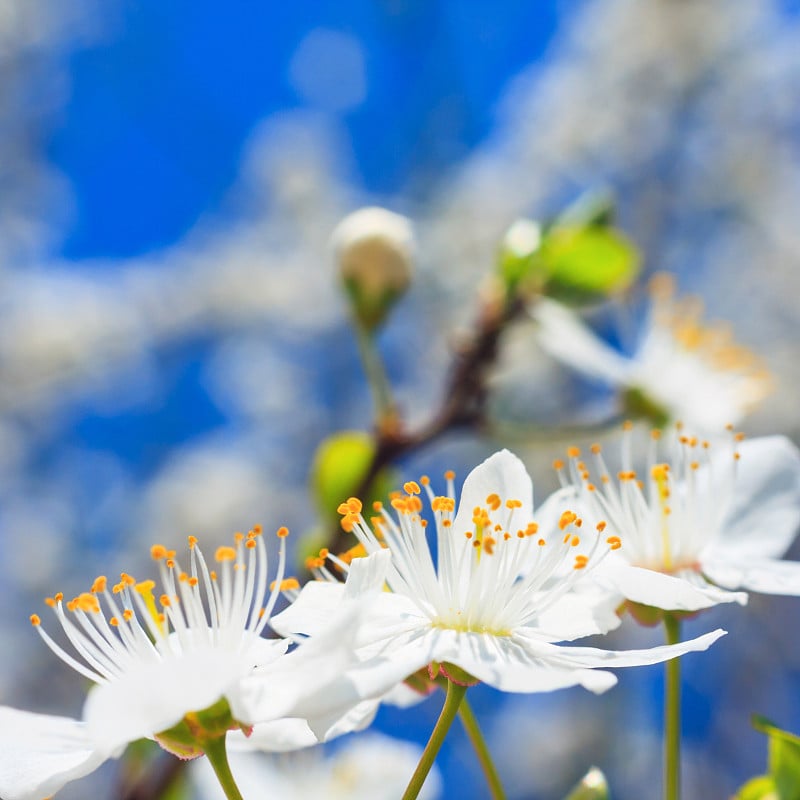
480 589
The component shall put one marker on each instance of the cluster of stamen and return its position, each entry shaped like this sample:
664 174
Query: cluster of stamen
113 628
665 514
506 560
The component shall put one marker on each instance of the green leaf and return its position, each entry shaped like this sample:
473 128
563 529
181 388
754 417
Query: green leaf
587 263
783 760
592 786
338 470
760 788
339 467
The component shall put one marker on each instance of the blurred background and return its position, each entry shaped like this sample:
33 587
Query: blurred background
174 345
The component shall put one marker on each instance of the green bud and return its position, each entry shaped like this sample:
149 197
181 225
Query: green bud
518 253
374 250
592 786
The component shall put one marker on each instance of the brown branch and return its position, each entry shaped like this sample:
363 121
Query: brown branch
464 404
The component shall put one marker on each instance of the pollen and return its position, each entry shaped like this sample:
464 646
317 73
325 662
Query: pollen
282 532
99 584
493 501
580 561
411 487
250 544
574 452
449 475
558 464
35 620
192 542
286 585
615 542
225 553
127 615
601 526
513 504
575 541
158 551
425 480
567 518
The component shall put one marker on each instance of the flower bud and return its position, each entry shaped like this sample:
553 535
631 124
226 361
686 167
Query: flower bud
374 249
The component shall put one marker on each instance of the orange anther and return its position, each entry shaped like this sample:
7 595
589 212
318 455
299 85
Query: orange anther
158 551
35 620
282 532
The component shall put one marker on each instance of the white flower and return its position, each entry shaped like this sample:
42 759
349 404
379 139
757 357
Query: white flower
493 604
154 660
698 521
368 767
681 370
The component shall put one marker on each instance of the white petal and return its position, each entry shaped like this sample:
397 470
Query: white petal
596 657
311 613
579 614
319 601
279 689
669 592
502 474
504 663
765 513
40 753
563 335
153 697
276 736
769 576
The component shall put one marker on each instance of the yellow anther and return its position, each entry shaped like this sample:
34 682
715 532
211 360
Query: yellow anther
615 542
377 505
213 575
354 504
99 584
58 597
596 449
250 544
567 518
343 508
488 545
567 536
520 534
513 503
729 426
348 522
493 501
580 561
446 523
170 562
286 585
158 551
411 487
258 529
590 487
532 529
601 526
192 542
558 465
35 620
225 553
193 581
695 465
88 602
575 541
468 534
655 434
541 542
506 536
477 543
324 553
128 580
165 600
113 622
578 522
449 475
127 615
627 425
425 480
49 601
737 456
573 452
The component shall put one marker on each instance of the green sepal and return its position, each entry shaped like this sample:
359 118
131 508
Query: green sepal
760 788
783 759
652 615
637 405
593 786
187 738
371 308
457 675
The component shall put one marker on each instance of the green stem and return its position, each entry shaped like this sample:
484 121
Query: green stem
452 701
376 376
481 750
672 714
217 755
